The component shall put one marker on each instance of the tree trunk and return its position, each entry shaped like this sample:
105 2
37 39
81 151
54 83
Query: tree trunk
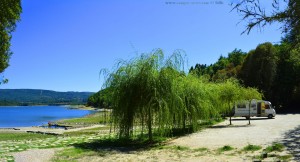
230 114
150 124
249 112
142 124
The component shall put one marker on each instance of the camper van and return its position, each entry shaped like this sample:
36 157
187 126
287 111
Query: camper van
258 108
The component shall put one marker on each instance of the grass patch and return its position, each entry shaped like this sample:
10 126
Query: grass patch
201 149
285 157
275 147
22 136
96 118
69 154
79 133
225 148
251 148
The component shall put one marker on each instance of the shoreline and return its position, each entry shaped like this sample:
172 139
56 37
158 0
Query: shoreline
57 131
81 107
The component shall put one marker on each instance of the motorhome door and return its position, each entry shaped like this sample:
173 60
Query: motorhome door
258 108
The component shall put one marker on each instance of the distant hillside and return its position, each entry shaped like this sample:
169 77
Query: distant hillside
41 97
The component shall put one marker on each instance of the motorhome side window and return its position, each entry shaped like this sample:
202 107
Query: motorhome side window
267 106
241 105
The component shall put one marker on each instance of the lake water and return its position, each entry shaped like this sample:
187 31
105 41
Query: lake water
24 116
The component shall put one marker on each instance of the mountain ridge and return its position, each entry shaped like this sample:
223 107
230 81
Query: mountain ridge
25 97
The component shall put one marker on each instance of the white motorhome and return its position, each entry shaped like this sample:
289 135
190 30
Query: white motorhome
258 108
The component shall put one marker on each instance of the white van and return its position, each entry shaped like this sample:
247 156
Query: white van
258 108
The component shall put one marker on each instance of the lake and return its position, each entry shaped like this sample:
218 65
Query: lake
27 116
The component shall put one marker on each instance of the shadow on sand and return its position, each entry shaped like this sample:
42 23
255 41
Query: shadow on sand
118 145
252 119
292 142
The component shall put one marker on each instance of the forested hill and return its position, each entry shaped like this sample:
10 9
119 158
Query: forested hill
41 97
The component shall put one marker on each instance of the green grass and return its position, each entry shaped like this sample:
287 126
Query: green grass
251 148
69 154
275 147
96 118
91 131
201 149
22 136
225 148
285 157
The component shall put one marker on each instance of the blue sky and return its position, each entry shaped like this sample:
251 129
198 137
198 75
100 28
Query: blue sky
62 45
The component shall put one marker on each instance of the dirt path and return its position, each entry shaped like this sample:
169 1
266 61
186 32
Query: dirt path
262 132
41 155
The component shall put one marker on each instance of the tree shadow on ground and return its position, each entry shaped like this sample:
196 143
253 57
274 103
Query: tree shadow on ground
292 142
119 145
231 126
140 143
137 144
252 119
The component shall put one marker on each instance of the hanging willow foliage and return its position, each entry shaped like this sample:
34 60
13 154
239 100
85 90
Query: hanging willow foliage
155 94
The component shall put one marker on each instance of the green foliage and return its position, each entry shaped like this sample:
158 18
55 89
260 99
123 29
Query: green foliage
281 84
10 97
201 149
224 68
10 11
259 68
225 148
155 93
100 99
273 69
251 148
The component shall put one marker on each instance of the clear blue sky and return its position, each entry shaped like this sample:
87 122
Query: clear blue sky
63 44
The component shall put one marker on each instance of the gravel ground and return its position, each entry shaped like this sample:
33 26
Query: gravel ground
262 131
41 155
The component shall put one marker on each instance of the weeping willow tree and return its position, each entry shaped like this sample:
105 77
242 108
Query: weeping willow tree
142 92
154 95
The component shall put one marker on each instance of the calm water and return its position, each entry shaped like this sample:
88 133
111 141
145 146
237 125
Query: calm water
24 116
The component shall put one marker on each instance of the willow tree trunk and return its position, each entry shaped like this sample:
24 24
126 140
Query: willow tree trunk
249 112
230 114
150 124
142 125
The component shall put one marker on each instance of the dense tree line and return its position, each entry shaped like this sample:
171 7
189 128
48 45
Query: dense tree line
273 69
224 68
101 99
